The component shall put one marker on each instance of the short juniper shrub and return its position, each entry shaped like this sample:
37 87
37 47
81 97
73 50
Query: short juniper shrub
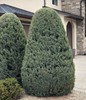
10 89
12 46
4 94
48 68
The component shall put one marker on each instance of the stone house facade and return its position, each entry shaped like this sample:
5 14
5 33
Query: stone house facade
78 7
72 13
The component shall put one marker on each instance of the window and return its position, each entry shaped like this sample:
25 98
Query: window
55 2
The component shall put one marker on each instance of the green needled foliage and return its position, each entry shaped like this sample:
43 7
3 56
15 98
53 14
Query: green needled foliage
48 68
12 46
10 89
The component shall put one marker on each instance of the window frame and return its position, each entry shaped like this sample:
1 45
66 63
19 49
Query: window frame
55 2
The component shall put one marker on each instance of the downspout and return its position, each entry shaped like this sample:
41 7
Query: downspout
44 3
80 7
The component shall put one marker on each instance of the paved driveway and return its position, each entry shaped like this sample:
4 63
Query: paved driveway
80 67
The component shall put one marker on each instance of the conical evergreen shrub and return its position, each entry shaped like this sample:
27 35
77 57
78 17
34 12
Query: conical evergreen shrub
48 68
12 46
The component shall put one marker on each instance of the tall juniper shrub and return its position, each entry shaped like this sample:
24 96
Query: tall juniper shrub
12 46
48 68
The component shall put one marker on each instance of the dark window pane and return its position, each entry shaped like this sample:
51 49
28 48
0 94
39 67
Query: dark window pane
55 2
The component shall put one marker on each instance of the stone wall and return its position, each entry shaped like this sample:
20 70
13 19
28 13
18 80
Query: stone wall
72 6
83 14
80 37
